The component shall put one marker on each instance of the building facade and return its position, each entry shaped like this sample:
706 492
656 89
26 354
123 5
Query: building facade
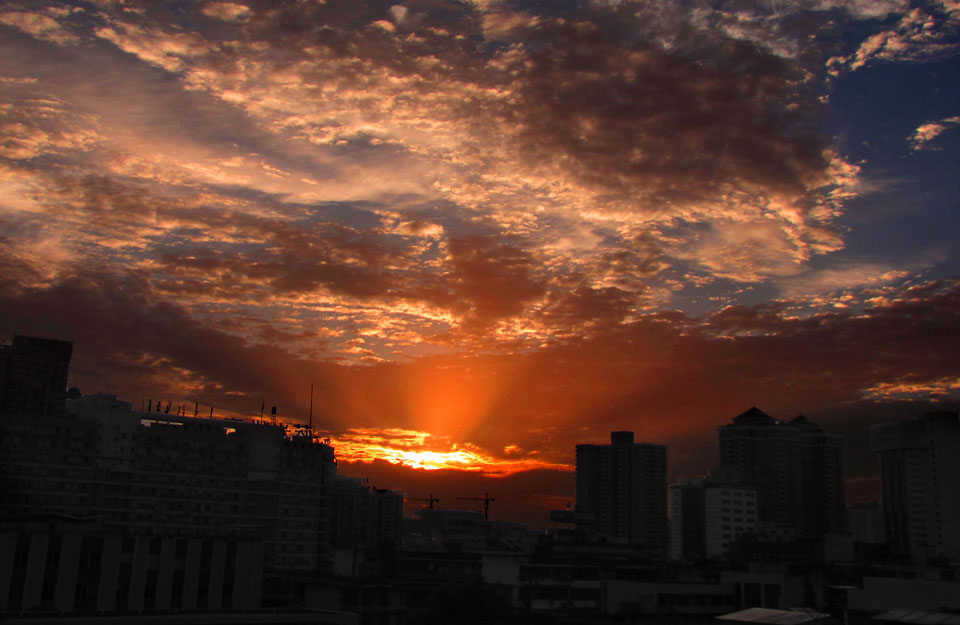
364 517
708 514
68 564
145 473
624 486
33 376
797 469
920 468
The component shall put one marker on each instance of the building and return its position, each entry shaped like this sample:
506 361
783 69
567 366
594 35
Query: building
920 468
145 473
624 486
708 514
865 519
363 517
822 489
33 376
70 564
797 469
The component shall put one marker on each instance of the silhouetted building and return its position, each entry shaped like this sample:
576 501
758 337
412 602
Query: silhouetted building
33 376
822 489
159 474
708 514
865 519
920 466
364 517
797 469
64 564
624 485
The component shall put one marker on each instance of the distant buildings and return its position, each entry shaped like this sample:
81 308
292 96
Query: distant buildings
920 466
624 486
33 376
362 516
797 469
708 514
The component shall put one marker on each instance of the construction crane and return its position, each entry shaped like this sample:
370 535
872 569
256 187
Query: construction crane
430 500
486 499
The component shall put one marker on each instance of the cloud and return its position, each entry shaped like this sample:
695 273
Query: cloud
43 25
228 11
926 32
510 225
504 130
925 133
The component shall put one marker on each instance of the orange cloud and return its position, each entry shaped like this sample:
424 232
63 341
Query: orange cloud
424 450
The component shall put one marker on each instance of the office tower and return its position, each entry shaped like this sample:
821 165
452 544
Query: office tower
33 376
708 514
624 486
797 469
920 467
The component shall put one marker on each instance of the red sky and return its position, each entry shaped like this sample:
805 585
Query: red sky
487 231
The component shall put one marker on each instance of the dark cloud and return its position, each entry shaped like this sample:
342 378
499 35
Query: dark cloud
627 115
490 279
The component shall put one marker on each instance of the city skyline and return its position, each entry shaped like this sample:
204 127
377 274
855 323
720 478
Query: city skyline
796 467
485 232
112 511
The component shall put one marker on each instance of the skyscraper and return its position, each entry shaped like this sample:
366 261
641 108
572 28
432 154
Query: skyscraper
920 466
797 469
708 514
624 485
33 376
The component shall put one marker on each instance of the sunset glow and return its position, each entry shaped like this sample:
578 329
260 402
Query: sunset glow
420 450
485 231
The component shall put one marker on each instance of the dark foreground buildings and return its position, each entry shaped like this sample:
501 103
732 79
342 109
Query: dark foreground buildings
106 510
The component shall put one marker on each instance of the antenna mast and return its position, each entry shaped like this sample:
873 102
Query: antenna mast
310 426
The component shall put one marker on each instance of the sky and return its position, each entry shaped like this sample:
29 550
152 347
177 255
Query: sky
488 230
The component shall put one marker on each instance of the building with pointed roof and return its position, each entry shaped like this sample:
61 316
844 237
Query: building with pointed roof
797 469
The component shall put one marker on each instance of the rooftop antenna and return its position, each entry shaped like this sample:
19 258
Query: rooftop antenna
310 426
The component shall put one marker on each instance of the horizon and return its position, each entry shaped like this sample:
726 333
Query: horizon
372 459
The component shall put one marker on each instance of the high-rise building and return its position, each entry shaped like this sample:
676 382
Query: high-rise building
822 488
624 486
797 469
920 467
175 476
33 376
708 514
